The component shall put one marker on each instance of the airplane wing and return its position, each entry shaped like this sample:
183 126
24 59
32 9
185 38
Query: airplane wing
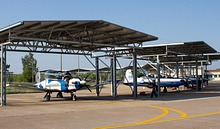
38 89
24 87
54 90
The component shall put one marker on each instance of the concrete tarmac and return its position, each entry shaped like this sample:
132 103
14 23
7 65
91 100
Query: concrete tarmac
189 109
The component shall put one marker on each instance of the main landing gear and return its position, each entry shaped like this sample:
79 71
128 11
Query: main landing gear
47 96
165 90
59 95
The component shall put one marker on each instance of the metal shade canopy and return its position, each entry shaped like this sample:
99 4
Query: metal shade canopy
186 51
83 35
185 48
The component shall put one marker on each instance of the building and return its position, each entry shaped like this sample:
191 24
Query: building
213 75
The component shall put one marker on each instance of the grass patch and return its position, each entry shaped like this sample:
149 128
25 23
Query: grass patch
18 90
25 88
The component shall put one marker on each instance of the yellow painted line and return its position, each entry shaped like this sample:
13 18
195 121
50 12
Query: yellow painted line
182 114
188 117
165 112
206 114
156 119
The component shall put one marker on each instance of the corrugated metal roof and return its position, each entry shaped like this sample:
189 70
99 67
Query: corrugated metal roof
75 34
185 48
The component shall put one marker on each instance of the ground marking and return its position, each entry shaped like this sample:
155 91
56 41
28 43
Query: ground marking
156 118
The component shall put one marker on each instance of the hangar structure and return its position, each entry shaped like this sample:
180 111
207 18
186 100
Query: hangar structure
86 37
191 53
67 37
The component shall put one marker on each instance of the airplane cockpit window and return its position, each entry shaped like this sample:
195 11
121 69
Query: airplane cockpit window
52 75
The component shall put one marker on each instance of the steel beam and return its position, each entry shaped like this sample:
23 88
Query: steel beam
177 69
135 74
114 80
97 75
182 71
61 41
3 75
197 80
112 76
44 47
158 75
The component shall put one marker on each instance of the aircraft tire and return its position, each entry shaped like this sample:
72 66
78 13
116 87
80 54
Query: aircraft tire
165 90
59 95
48 97
73 97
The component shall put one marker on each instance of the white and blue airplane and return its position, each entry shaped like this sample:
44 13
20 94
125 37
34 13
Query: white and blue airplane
201 81
56 82
149 81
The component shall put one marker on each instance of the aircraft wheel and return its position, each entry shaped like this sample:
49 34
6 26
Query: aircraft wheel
48 97
73 97
59 95
165 90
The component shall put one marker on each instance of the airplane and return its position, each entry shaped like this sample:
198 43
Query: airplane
201 81
149 81
56 82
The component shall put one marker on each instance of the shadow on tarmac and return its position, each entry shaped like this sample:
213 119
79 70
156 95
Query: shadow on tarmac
213 90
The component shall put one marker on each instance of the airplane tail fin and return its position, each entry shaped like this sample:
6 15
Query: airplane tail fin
128 76
37 77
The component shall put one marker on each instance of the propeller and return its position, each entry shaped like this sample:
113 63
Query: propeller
89 89
83 82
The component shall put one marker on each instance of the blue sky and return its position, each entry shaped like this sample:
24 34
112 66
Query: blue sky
170 20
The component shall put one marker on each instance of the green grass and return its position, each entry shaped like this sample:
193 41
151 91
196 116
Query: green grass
15 89
18 90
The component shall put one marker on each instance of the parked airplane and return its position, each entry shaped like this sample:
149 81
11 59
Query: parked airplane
201 81
56 82
148 81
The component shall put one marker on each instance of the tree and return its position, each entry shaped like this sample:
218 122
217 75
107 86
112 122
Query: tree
29 67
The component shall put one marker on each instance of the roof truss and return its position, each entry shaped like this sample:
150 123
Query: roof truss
75 36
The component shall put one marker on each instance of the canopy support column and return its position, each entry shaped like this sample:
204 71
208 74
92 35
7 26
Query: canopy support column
135 74
202 75
190 70
3 75
97 75
182 71
112 83
177 70
158 75
113 72
197 79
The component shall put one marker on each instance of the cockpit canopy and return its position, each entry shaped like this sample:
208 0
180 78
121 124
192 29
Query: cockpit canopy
51 74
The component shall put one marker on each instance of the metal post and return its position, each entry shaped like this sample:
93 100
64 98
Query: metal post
182 70
177 70
97 75
78 65
114 80
197 81
158 75
202 75
205 73
190 70
135 74
3 75
202 70
61 62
